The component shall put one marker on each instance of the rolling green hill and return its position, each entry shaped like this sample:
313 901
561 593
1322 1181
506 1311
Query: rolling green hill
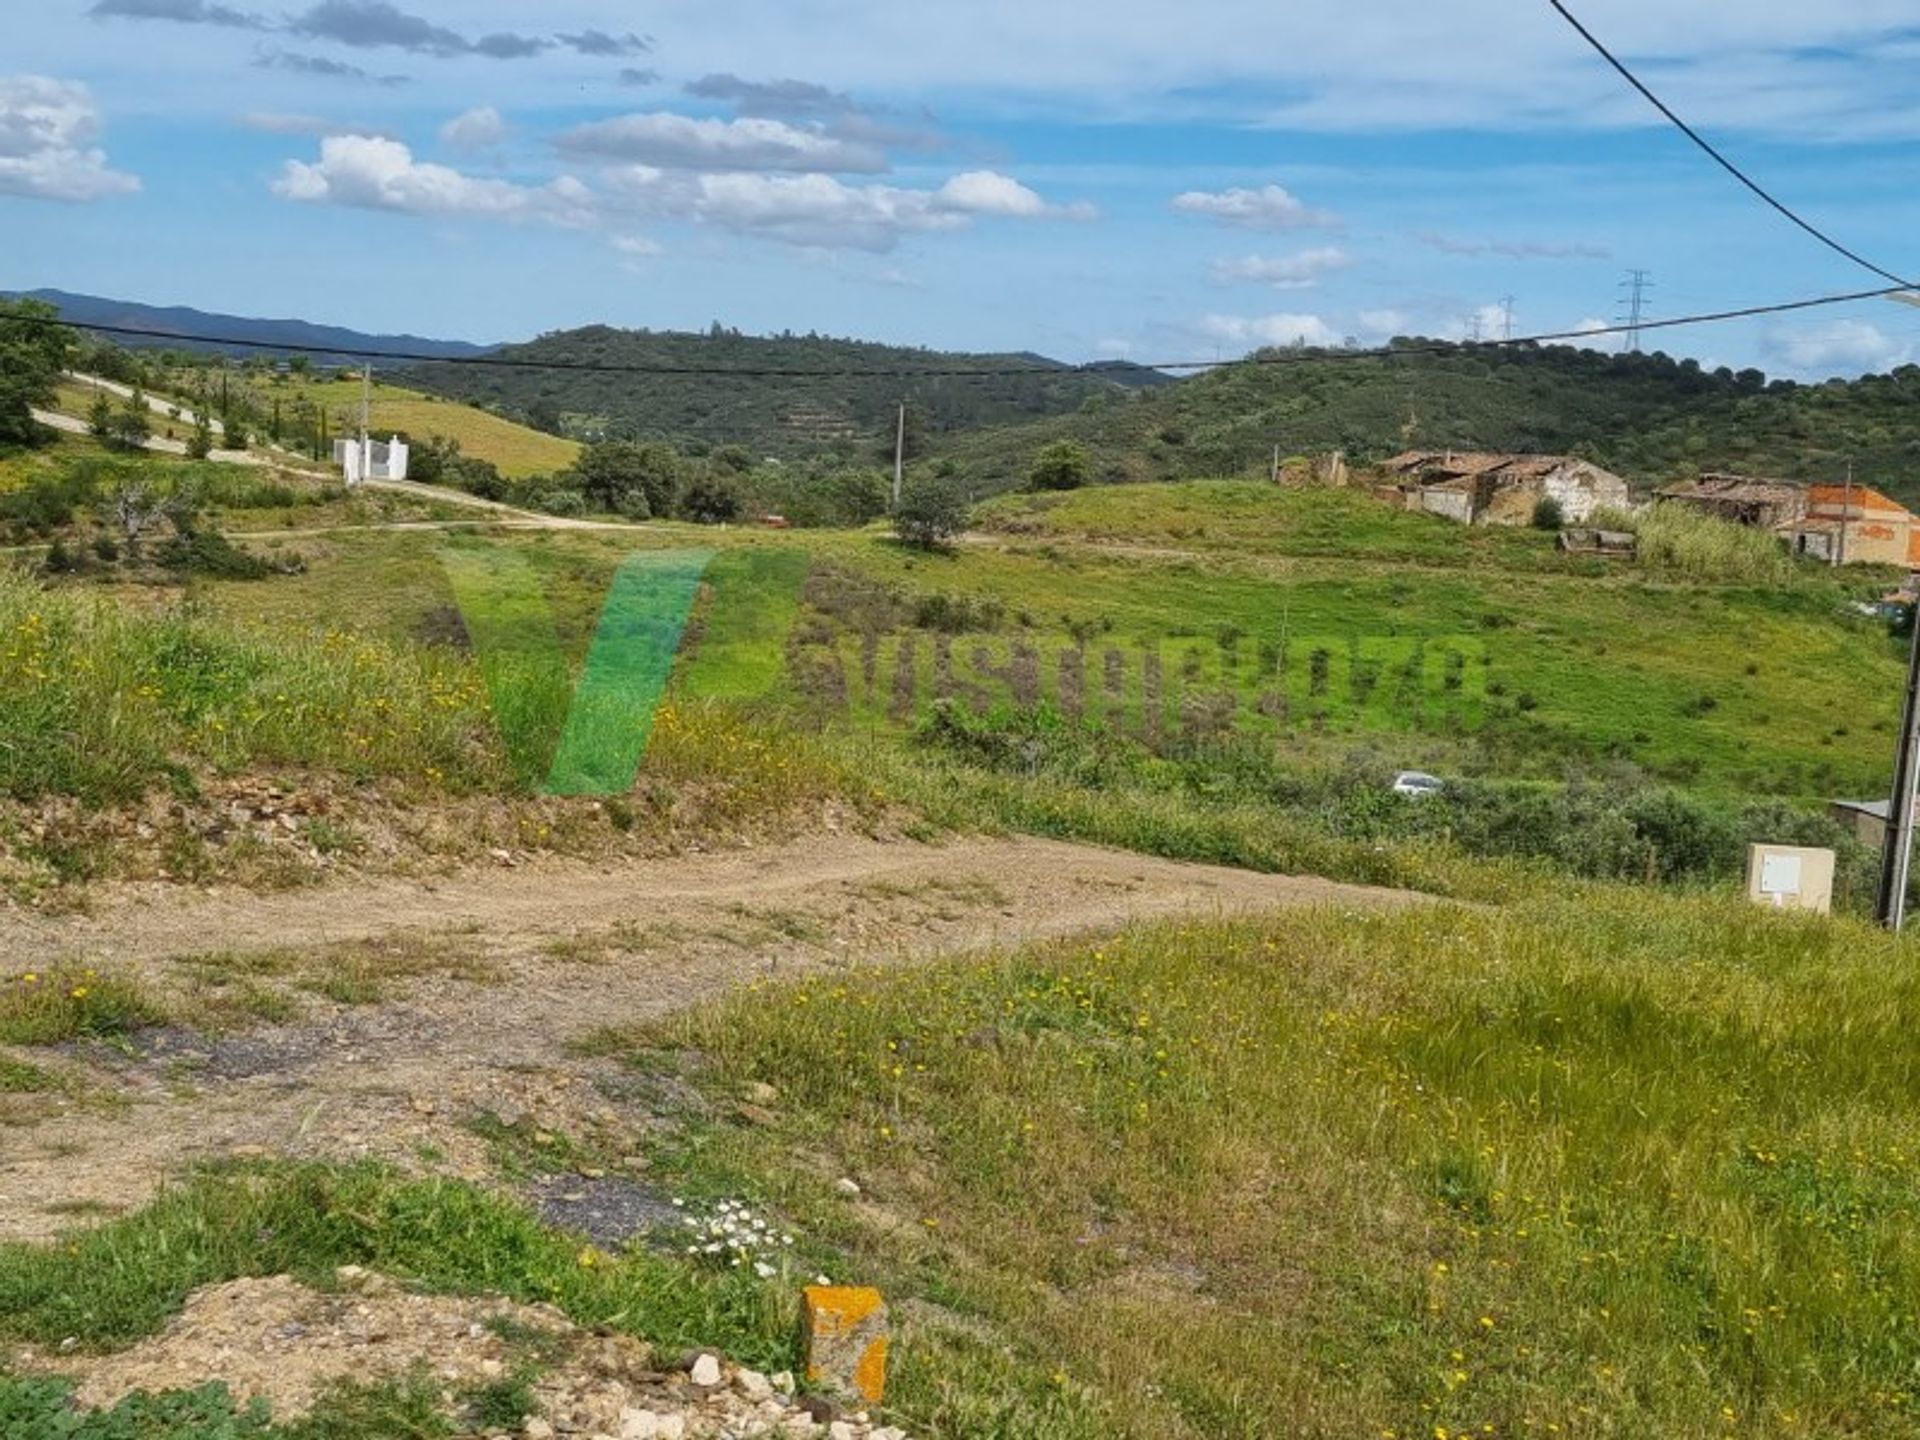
851 408
1648 417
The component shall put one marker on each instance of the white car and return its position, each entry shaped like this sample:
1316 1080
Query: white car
1418 784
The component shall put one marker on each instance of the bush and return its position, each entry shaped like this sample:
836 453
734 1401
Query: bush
712 497
611 473
209 553
1063 465
1548 514
932 512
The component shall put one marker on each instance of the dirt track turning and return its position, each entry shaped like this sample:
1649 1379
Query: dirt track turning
550 952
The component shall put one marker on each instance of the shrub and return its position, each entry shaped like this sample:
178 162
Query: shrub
712 497
209 553
1548 514
931 512
1063 465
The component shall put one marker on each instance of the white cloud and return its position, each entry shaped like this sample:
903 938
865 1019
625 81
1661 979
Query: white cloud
1271 207
1838 347
820 211
638 246
370 173
682 142
986 192
1299 271
1258 330
1384 323
48 130
477 129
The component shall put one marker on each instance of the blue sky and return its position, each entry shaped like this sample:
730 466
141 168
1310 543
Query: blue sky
1143 181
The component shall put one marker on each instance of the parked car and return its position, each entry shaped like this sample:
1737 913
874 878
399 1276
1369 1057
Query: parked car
1417 784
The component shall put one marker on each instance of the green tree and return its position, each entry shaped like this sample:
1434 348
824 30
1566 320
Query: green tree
931 512
624 476
201 445
1548 514
100 417
129 427
1063 465
712 497
32 355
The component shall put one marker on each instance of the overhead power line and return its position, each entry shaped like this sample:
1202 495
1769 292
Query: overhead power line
1719 158
1038 372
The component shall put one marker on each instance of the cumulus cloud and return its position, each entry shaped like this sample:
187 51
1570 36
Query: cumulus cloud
323 66
1300 271
598 42
819 211
478 129
1512 249
185 12
48 150
371 173
681 142
1384 322
1252 331
1271 207
1837 347
986 192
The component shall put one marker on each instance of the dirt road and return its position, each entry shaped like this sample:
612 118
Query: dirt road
510 966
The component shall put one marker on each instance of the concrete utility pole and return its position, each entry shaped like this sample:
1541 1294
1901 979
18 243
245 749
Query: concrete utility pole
1846 512
366 410
1276 465
1897 860
900 455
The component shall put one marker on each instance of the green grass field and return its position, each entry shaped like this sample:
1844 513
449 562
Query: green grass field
1605 1163
517 450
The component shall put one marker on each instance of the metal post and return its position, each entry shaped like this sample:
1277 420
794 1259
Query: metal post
1897 860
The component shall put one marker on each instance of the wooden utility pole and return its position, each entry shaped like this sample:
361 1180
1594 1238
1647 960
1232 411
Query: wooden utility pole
900 455
1897 859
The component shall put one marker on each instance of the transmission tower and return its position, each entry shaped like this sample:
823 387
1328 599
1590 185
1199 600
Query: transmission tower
1506 317
1633 305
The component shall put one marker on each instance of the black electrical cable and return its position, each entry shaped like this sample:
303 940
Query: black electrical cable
1041 372
1720 159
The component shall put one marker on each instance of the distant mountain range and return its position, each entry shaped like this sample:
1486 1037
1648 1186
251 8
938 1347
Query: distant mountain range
178 320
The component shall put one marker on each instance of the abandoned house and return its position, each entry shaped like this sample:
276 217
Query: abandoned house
1854 525
1478 488
1761 504
1840 524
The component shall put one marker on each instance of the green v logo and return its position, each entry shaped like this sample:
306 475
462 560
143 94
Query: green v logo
563 738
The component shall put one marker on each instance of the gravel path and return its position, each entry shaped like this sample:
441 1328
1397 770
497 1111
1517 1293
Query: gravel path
554 951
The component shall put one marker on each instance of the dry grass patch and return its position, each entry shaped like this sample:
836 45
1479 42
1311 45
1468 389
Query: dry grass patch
263 984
